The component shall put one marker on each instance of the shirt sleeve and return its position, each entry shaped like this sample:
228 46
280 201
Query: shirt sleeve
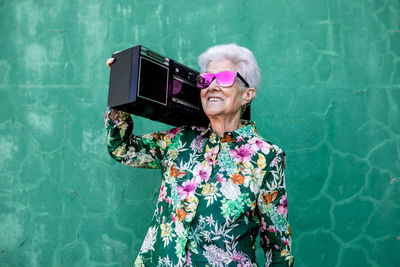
275 236
144 151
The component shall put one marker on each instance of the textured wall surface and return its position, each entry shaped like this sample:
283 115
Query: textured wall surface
330 98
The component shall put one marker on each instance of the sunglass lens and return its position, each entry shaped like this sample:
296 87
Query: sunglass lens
226 78
208 78
200 82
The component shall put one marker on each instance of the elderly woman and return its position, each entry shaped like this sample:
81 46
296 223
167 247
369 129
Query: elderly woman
221 185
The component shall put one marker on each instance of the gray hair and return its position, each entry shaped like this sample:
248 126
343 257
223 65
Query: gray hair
242 57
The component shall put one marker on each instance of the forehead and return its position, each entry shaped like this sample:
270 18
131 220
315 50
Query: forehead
220 65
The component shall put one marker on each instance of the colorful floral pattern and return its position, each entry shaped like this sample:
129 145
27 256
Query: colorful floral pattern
216 194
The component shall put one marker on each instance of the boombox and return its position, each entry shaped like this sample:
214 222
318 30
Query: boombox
150 85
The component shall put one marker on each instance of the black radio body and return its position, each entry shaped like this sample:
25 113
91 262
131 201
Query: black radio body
147 84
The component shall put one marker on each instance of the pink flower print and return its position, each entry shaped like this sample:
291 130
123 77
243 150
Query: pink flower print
220 178
197 144
237 257
106 118
271 229
211 156
168 200
163 192
283 208
173 132
275 161
286 241
258 144
263 225
243 153
239 138
201 172
188 259
187 189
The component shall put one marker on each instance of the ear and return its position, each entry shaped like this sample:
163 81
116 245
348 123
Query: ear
248 95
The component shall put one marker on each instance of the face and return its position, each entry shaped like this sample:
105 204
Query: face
224 102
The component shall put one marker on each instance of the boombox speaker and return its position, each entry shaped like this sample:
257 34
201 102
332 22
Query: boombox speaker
147 84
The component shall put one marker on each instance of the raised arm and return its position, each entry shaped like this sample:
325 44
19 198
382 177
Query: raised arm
275 236
144 151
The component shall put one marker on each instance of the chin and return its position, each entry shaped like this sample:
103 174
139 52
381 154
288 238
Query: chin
213 112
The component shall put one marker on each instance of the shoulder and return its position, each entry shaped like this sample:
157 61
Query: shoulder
265 146
272 152
249 134
274 164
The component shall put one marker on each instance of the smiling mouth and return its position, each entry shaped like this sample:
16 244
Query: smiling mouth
214 99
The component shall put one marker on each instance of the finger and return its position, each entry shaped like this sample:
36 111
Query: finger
109 62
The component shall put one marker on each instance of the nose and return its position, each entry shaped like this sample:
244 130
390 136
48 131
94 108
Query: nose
214 85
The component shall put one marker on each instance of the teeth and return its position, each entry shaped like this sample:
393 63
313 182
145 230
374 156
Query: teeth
215 99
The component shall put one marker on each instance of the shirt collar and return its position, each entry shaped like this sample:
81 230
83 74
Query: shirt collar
247 131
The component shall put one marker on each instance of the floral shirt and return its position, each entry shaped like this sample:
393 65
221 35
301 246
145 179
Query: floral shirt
216 195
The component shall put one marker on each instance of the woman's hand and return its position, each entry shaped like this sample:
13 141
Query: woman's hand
110 61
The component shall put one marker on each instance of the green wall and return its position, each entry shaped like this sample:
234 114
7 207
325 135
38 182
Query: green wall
330 97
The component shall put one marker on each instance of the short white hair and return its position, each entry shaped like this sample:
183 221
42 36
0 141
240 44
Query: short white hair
242 57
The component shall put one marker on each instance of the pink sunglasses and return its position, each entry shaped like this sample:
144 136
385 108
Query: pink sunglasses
223 78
